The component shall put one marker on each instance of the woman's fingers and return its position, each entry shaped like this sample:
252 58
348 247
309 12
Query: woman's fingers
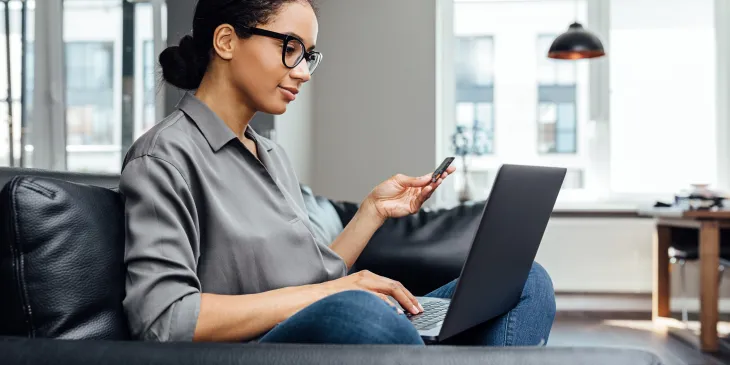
409 181
410 296
384 287
387 300
395 290
428 190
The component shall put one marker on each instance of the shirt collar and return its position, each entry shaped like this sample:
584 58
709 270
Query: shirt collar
214 129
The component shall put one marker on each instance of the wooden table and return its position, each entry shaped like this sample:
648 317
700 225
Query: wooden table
709 223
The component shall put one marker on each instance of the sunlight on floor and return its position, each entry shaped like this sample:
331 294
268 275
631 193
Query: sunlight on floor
663 325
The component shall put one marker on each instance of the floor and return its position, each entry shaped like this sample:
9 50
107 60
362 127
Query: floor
670 341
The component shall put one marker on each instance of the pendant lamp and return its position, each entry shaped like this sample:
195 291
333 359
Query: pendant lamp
576 43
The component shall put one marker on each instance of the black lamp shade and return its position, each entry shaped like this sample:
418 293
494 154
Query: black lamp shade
576 43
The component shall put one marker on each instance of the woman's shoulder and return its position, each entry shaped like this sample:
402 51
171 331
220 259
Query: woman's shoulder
170 139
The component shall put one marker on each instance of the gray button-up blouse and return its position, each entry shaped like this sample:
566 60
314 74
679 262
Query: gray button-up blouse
203 215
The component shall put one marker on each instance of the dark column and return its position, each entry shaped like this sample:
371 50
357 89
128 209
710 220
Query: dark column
127 75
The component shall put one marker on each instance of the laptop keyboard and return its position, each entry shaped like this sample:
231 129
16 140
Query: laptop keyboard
433 313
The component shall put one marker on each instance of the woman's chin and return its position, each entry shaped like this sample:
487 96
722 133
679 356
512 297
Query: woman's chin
276 109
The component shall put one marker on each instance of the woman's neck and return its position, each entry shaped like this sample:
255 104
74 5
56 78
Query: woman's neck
221 98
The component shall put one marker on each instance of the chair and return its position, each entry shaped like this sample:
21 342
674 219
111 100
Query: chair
684 248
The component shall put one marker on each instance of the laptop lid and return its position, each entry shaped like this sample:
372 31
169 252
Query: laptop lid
505 244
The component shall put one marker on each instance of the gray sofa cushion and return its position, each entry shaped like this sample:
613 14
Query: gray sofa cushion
325 220
115 352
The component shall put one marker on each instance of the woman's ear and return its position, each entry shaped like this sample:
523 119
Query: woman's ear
224 41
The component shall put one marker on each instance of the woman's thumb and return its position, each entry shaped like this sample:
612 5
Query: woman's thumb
413 181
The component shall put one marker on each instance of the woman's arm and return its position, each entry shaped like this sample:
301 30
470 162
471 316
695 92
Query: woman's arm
353 239
245 317
396 197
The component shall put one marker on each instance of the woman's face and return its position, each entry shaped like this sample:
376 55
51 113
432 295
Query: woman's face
256 68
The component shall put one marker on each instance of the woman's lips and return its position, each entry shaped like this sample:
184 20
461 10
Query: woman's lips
288 94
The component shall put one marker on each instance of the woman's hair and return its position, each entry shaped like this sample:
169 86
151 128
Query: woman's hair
184 65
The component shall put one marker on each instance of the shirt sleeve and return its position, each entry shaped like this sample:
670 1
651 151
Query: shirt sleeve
162 299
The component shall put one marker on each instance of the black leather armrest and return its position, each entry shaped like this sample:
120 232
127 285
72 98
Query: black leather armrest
424 250
61 352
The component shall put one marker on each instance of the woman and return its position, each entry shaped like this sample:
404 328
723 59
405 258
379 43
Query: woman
219 244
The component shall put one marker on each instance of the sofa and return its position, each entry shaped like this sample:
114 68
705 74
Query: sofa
62 283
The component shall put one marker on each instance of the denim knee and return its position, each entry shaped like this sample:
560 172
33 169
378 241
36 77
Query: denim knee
539 287
368 319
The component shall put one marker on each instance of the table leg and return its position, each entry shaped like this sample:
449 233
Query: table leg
709 288
660 287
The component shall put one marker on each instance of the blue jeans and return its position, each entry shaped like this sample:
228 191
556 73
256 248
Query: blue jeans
359 317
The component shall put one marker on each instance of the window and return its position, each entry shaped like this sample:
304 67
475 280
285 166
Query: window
475 90
89 107
89 93
633 127
20 115
556 108
529 108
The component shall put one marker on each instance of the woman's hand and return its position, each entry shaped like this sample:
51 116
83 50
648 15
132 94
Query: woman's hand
403 195
378 285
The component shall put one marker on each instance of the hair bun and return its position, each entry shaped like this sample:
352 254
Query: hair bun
180 66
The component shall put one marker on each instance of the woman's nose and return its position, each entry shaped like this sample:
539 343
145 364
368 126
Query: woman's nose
301 72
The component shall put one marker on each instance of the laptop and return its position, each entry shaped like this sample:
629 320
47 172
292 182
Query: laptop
504 247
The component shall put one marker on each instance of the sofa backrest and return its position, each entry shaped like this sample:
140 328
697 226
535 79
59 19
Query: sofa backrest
110 181
61 256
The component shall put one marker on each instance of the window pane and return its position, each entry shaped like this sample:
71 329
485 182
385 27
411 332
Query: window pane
546 138
484 115
566 131
93 82
147 74
663 120
465 114
547 113
89 93
484 133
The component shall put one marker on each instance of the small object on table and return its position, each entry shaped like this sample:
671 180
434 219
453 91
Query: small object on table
699 196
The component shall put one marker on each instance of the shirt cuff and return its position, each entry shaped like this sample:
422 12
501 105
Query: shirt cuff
185 318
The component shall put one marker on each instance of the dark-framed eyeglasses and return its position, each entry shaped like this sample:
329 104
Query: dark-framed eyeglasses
292 51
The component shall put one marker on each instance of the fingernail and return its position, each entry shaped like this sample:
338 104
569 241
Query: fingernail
400 311
420 307
415 310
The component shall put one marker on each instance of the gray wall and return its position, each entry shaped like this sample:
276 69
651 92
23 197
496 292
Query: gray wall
294 133
374 94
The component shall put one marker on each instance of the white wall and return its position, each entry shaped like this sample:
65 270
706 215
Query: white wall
293 131
375 93
613 255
